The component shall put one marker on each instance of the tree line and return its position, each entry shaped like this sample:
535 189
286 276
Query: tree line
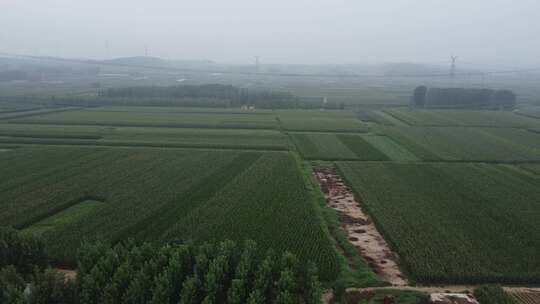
463 98
230 96
128 272
204 96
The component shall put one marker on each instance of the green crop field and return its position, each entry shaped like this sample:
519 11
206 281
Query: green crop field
441 185
320 121
332 146
454 223
153 194
143 136
155 119
390 148
533 168
69 215
467 144
533 112
463 118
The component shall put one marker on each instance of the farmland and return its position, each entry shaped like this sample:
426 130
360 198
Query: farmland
467 144
328 146
439 185
200 193
155 119
143 136
320 121
499 119
436 214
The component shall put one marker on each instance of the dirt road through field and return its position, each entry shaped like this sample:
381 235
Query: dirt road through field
360 229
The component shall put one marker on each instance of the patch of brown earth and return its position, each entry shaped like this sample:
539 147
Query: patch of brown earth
452 298
524 295
69 274
360 229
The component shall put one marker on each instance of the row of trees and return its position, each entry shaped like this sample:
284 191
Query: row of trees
228 94
25 276
463 98
212 95
210 273
142 273
204 96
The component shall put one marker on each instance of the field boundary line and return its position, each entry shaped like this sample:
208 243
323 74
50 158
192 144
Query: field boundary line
149 145
173 126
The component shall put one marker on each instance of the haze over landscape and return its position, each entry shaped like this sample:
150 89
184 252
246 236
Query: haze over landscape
486 32
269 152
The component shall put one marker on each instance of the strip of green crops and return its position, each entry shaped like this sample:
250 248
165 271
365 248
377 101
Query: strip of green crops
164 195
69 215
467 144
499 119
164 119
454 223
150 137
331 146
320 121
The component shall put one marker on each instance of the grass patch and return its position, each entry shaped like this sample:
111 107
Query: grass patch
64 217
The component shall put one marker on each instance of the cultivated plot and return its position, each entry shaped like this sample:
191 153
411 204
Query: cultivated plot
334 146
163 195
467 144
454 223
320 121
499 119
156 119
143 136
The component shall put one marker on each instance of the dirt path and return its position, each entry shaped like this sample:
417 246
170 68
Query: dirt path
371 245
360 229
451 294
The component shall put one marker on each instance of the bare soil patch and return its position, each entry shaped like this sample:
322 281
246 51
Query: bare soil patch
360 229
69 274
525 295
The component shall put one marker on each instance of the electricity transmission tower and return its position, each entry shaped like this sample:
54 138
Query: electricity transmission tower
257 63
453 68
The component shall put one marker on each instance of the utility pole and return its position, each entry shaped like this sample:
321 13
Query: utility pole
257 63
453 68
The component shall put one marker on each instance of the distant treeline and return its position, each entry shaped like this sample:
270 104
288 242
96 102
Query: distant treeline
204 96
129 272
463 98
211 95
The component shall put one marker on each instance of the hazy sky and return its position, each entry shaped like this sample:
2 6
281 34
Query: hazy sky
280 31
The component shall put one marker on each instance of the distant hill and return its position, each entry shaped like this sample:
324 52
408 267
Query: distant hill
158 62
400 68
